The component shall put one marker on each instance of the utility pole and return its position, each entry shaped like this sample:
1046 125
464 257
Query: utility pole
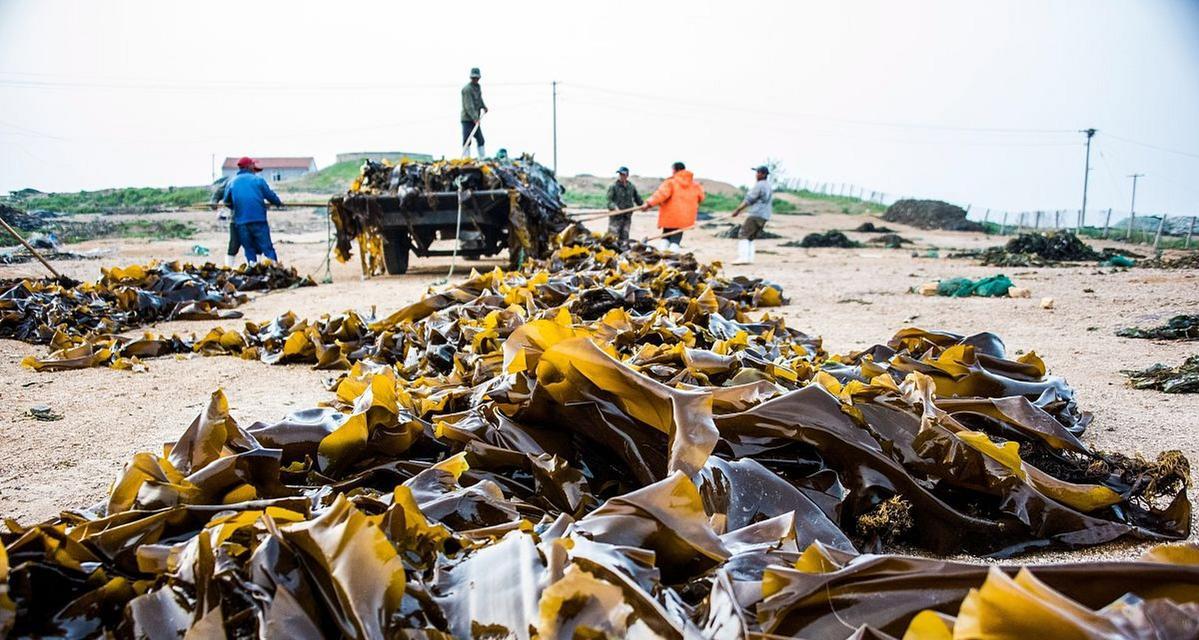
1132 208
1086 175
555 89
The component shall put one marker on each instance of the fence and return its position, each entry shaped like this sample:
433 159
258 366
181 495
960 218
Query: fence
1116 225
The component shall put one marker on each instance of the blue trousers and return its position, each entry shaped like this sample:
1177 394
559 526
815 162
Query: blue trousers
255 238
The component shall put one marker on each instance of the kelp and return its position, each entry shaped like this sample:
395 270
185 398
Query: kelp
1044 249
46 311
1180 327
1181 379
608 444
831 238
535 212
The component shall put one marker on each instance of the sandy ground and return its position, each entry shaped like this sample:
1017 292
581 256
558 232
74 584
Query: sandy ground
852 297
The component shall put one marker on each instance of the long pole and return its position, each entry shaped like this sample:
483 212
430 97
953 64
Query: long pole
1132 208
1157 238
1086 175
555 89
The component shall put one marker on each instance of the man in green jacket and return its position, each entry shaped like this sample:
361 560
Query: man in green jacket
622 195
473 109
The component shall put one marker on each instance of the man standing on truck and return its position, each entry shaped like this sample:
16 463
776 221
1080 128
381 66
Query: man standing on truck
247 194
678 200
622 195
473 109
758 200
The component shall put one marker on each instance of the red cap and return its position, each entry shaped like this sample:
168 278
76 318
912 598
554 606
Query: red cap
247 162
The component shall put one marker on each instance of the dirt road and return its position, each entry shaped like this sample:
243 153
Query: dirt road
852 297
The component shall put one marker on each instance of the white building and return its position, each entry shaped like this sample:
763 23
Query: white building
274 169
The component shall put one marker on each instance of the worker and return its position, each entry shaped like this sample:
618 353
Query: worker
247 194
622 195
218 197
758 202
473 109
678 200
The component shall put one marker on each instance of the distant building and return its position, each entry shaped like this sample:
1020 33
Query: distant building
393 156
275 169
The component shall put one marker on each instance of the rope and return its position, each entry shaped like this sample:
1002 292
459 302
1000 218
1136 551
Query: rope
457 234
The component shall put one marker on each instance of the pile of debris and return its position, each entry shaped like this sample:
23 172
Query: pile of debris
1181 379
930 214
19 220
75 318
831 238
1180 327
606 444
535 214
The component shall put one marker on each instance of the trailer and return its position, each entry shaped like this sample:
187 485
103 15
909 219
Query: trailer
484 207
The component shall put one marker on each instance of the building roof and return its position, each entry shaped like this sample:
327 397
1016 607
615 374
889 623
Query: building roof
274 163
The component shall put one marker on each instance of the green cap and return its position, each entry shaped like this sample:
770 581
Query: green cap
474 73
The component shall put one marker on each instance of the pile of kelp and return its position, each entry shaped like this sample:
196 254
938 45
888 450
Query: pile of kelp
1044 249
828 239
1180 327
1188 260
79 320
607 444
1181 379
535 211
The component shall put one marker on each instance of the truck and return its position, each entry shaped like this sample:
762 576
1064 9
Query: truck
484 206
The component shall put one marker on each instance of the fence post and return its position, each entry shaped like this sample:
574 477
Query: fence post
1020 223
1037 224
1186 244
1157 238
1107 223
1132 221
1003 227
1057 219
986 217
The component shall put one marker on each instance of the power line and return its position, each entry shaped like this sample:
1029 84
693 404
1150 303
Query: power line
1152 146
876 123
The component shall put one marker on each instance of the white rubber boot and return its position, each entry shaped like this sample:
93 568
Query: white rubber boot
674 248
743 252
482 153
749 253
229 261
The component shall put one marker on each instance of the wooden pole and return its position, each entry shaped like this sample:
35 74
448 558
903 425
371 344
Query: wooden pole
1057 219
1186 244
1107 223
1132 219
29 247
1157 238
1037 226
1003 227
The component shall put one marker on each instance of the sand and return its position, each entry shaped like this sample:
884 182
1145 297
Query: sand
852 297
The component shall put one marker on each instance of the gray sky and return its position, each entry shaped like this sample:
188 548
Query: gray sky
977 103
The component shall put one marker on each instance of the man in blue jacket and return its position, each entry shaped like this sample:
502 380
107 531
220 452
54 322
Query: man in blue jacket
247 194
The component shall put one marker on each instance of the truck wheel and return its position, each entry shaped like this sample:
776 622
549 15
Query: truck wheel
395 253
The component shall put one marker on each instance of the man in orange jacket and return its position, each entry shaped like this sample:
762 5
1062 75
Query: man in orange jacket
678 200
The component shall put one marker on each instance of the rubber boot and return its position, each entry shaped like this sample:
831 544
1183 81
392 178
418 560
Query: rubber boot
749 253
743 248
482 153
674 248
229 261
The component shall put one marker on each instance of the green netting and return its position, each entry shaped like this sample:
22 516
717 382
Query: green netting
992 287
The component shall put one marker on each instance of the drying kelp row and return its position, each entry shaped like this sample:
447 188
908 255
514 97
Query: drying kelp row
608 444
66 314
535 209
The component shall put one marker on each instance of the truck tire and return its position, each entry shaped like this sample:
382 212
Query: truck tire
395 253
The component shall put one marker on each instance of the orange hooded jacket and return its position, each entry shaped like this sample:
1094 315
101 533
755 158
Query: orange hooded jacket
678 200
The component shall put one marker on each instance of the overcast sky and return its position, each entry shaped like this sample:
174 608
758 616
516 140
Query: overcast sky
974 102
